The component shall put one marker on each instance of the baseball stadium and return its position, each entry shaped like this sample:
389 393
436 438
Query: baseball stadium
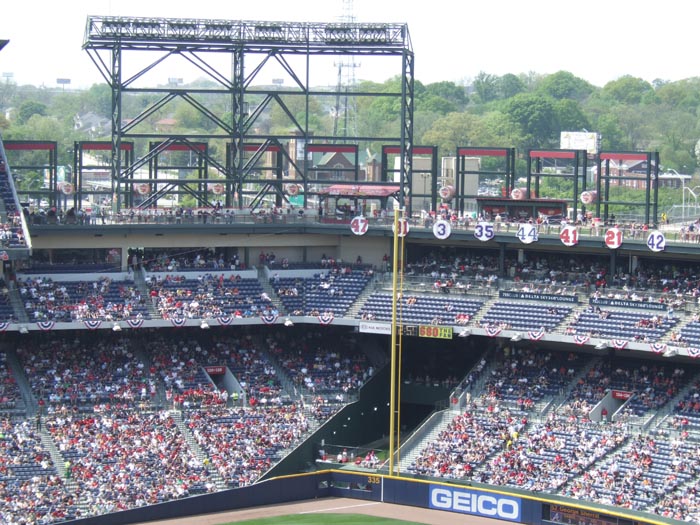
323 331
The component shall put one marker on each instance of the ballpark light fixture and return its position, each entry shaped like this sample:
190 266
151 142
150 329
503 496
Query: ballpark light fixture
673 351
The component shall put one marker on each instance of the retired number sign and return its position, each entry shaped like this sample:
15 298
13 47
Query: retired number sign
613 238
656 241
569 235
442 229
359 225
484 231
527 233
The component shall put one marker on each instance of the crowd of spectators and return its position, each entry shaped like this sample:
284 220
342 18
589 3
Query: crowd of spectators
191 260
244 442
10 397
126 459
102 299
526 376
75 374
676 284
209 296
328 371
31 489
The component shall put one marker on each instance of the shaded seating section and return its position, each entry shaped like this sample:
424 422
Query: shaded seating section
653 384
177 296
103 299
179 365
177 260
257 375
124 459
244 442
327 369
646 470
620 324
11 234
11 402
80 373
333 291
512 315
7 313
421 309
687 411
526 376
30 485
66 267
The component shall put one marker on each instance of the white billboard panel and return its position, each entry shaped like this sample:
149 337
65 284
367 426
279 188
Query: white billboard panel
587 140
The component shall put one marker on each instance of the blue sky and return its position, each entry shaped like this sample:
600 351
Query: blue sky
452 40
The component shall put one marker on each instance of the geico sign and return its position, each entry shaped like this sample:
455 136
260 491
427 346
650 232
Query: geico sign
477 503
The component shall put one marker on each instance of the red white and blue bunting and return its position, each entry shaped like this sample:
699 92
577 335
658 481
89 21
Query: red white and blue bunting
46 325
492 331
134 323
536 335
92 324
581 339
269 317
658 348
178 322
694 352
224 320
326 318
3 326
619 344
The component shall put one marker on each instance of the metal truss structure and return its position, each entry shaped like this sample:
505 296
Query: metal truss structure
232 56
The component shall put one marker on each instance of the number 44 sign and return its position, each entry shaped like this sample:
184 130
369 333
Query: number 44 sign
527 233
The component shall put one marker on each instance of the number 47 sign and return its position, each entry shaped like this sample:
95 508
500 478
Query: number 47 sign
359 225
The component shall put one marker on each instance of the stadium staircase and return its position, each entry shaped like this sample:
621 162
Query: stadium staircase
488 303
197 450
362 298
140 283
16 302
425 434
27 405
270 291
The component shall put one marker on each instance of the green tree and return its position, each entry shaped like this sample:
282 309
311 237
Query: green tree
536 115
570 115
564 85
510 85
627 90
452 130
29 109
486 87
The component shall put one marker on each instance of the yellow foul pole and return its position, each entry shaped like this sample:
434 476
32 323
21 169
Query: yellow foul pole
394 325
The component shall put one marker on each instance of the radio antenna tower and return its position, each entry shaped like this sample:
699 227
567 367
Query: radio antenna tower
345 110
